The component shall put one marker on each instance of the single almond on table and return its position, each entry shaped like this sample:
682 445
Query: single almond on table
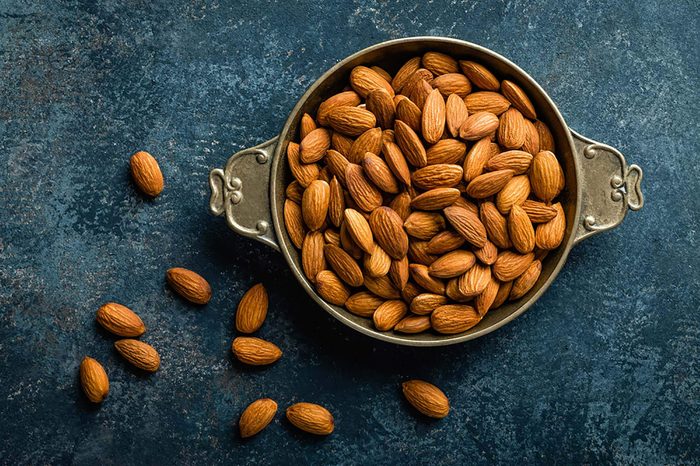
188 284
139 354
426 398
454 318
146 173
256 417
255 351
252 309
93 379
120 320
311 418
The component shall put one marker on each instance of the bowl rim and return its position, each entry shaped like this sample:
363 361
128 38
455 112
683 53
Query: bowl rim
440 340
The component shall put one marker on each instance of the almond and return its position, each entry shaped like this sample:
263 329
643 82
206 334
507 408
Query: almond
336 203
405 72
485 101
306 125
526 281
408 112
381 72
413 324
425 303
487 254
437 176
410 291
294 223
479 75
330 288
379 173
93 379
474 280
510 265
452 291
387 135
348 244
516 160
546 176
331 237
417 252
364 80
410 144
520 230
452 83
424 225
433 117
420 92
401 204
189 285
343 264
377 263
369 141
139 354
532 138
388 314
550 235
545 136
337 163
387 228
445 241
303 173
399 272
359 230
341 144
488 184
518 98
455 114
426 398
314 204
495 224
351 121
342 99
256 417
311 418
478 125
255 351
538 212
364 193
515 192
421 276
478 156
452 264
485 300
454 318
511 129
382 287
314 146
502 295
252 309
363 303
467 224
120 320
294 192
396 162
146 173
312 259
439 63
381 103
435 199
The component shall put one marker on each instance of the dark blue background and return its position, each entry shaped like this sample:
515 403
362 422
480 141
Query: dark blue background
604 368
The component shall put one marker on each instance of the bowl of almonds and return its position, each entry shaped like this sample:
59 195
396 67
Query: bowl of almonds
425 191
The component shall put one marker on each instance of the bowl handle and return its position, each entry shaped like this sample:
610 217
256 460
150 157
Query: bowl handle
241 192
609 187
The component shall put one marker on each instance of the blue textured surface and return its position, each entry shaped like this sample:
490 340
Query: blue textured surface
604 368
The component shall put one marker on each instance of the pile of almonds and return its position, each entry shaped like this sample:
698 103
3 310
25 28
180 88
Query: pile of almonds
425 199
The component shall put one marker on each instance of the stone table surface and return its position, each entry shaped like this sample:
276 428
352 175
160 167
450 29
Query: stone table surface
604 368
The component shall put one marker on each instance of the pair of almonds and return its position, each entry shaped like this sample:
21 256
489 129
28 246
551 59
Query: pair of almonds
250 316
309 417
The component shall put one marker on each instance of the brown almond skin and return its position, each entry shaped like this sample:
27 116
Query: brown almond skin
387 228
526 281
255 351
518 98
363 192
94 380
436 199
433 117
342 99
437 176
344 265
454 318
478 125
351 121
413 324
369 141
363 303
467 224
444 242
381 103
399 272
314 146
311 418
405 72
425 303
359 230
426 398
452 264
120 320
252 309
421 276
448 151
510 265
452 83
379 173
256 417
486 101
456 114
331 288
410 144
488 184
546 176
314 204
306 125
312 258
294 223
364 80
304 173
146 174
520 230
549 235
516 191
188 284
474 281
139 354
479 75
388 314
476 159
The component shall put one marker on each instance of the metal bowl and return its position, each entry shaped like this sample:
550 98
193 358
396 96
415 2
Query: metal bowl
600 186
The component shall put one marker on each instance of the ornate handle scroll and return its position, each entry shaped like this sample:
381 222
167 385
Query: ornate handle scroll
241 192
609 187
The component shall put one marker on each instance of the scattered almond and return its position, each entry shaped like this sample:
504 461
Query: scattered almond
146 173
188 284
252 309
256 417
426 398
93 379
